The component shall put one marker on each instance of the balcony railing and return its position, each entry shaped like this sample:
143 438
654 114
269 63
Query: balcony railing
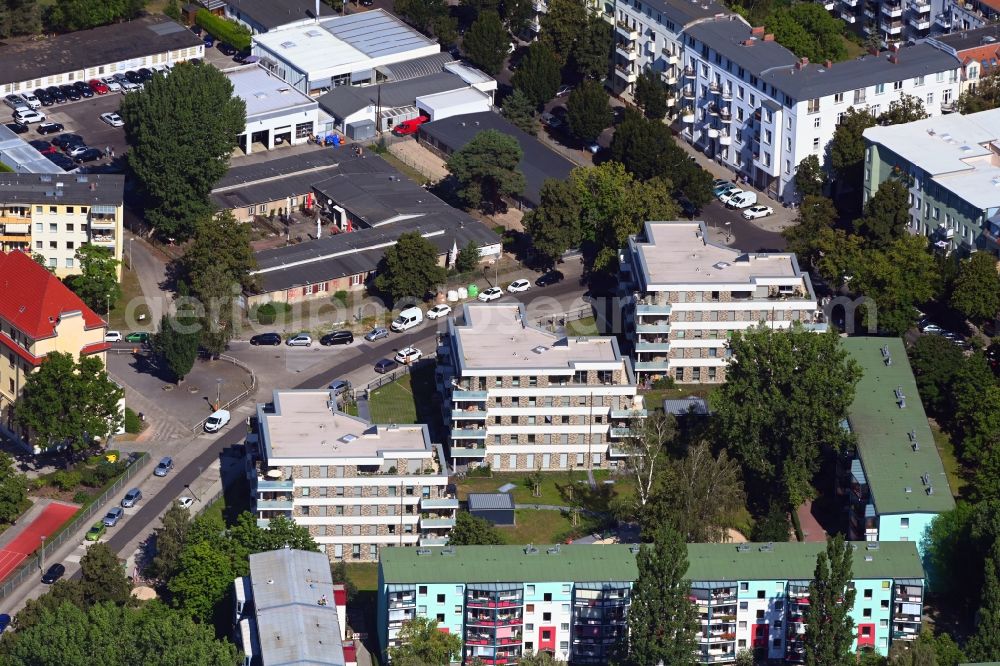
468 433
460 394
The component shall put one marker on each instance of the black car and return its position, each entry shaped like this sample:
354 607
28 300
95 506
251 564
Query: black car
49 128
83 89
385 365
44 97
266 339
227 49
54 573
57 95
61 161
17 128
64 140
89 155
241 56
552 277
337 338
196 29
145 73
134 77
70 92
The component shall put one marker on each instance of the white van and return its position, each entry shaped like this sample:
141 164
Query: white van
743 200
217 420
407 319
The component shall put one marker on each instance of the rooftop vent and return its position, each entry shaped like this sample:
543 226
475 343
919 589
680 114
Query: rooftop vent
930 490
907 490
869 558
872 545
347 439
530 550
540 349
423 551
767 547
554 550
81 179
720 265
743 548
45 178
448 551
287 45
634 548
912 435
900 398
313 33
886 356
925 479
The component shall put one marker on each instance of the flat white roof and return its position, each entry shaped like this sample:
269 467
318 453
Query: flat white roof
678 253
264 92
962 153
497 336
451 98
469 74
309 48
304 425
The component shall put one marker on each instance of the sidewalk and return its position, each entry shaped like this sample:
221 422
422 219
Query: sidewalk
151 269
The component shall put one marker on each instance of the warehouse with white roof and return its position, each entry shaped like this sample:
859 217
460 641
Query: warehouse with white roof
340 51
277 113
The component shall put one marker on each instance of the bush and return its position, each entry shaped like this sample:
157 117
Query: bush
133 425
90 478
224 30
66 480
340 297
271 312
483 471
81 497
664 383
37 483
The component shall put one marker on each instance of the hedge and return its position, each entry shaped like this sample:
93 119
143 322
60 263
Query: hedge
224 30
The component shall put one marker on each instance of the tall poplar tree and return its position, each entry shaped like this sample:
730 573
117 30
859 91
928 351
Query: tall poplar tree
829 628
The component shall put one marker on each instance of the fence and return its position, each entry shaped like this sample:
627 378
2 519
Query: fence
390 377
238 399
558 320
33 564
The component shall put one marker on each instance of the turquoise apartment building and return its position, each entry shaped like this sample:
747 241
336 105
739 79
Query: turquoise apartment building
895 483
572 601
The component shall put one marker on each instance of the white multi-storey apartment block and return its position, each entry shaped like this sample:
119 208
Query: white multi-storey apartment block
521 398
683 296
356 486
752 105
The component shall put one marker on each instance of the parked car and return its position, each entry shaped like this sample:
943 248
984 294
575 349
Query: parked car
931 329
130 87
32 100
14 101
723 187
83 89
112 517
89 155
518 285
376 333
337 338
409 126
76 149
227 49
209 41
164 466
133 76
99 87
217 420
407 319
385 365
49 128
29 116
301 340
131 498
113 84
113 119
69 92
17 128
185 502
145 74
4 622
60 160
44 97
742 200
491 294
439 310
339 386
266 339
141 337
552 277
754 212
728 195
408 355
720 181
553 121
57 95
96 531
113 336
43 146
67 140
54 573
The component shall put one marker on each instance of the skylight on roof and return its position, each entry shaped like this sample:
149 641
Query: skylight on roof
287 45
313 33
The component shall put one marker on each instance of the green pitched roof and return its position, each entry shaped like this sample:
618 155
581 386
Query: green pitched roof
883 430
593 563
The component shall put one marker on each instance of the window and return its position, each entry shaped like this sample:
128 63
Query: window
868 593
531 590
440 598
904 523
547 617
52 211
760 594
69 262
547 596
918 81
867 612
930 98
744 587
816 143
816 122
859 96
814 106
39 245
70 227
897 85
53 245
52 227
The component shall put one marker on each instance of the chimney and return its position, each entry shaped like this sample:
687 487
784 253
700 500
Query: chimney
757 31
828 64
894 58
873 50
769 37
801 63
894 47
747 42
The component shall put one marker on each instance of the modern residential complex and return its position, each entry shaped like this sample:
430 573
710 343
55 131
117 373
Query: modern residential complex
895 483
572 601
894 20
357 486
289 611
972 14
518 397
683 296
54 215
951 165
38 315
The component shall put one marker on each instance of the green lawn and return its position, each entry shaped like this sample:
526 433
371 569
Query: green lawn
542 527
364 575
406 400
552 489
130 290
952 468
654 398
586 326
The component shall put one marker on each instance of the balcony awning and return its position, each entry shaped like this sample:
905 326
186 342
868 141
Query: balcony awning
494 587
103 209
400 588
607 585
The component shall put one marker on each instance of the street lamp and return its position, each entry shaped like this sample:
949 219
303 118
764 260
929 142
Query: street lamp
187 487
131 266
41 557
218 392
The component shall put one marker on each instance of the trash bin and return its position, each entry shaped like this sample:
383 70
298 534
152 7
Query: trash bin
473 291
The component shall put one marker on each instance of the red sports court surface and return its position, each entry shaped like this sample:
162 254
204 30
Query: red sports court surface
30 538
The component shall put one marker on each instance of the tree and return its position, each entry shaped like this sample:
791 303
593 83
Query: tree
113 635
648 457
538 75
651 94
985 643
847 149
281 532
175 345
897 279
19 17
486 42
985 96
520 111
467 258
662 621
178 151
487 170
480 6
424 15
13 490
985 483
808 33
103 576
809 177
67 402
886 214
785 397
697 494
338 574
471 530
950 552
538 659
772 526
554 226
97 282
202 577
517 15
694 184
409 268
807 237
172 10
976 291
588 110
562 26
422 644
829 627
935 362
73 15
974 395
906 109
591 54
645 147
927 650
170 539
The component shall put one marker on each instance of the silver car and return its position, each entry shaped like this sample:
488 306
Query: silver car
376 333
131 498
113 516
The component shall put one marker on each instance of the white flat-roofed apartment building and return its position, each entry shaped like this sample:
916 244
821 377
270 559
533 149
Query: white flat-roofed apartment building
683 296
519 397
357 486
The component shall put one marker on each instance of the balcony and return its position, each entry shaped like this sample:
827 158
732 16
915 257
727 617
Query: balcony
628 413
268 484
849 18
468 433
919 22
102 239
725 115
850 3
436 523
540 6
713 133
477 396
641 346
647 307
892 11
102 220
438 503
652 366
671 58
713 110
627 51
921 6
727 94
627 31
891 28
273 504
669 79
652 328
621 432
627 73
687 115
715 88
869 13
725 139
468 452
468 414
432 540
687 92
689 73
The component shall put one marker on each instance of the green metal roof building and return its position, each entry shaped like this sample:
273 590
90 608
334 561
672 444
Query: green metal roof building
896 483
505 601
